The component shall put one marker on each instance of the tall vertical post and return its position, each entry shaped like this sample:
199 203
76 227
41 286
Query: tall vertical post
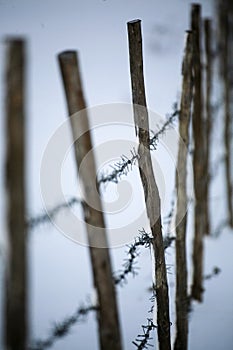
16 325
198 157
150 188
208 115
108 321
181 342
225 25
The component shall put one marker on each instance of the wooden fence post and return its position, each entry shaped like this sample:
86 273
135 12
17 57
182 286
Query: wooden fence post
225 24
109 328
16 323
151 192
181 342
208 119
198 158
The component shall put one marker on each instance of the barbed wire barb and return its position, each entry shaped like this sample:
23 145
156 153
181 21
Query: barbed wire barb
122 167
142 340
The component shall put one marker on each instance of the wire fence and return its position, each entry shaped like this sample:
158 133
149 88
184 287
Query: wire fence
118 170
61 329
144 239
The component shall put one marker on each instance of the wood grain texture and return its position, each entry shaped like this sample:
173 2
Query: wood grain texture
181 341
16 323
198 157
225 24
208 116
151 192
108 321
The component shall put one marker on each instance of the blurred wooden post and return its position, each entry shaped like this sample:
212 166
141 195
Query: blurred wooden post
181 342
198 158
16 323
109 328
208 120
225 24
151 192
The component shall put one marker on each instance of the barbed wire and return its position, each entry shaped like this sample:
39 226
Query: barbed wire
119 169
62 328
126 163
122 167
170 119
221 226
142 340
215 271
167 220
49 215
144 239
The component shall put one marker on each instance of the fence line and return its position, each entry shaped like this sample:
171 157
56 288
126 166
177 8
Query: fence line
61 329
119 169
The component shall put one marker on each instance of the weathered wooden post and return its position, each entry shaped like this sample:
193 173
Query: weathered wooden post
225 45
208 115
108 321
181 342
16 293
150 188
198 157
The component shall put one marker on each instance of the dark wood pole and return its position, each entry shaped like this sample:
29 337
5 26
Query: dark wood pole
150 188
16 295
181 342
108 321
198 157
